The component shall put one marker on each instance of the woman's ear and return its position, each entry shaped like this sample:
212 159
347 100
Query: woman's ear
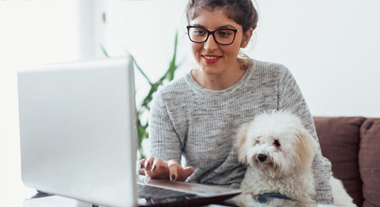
241 143
246 37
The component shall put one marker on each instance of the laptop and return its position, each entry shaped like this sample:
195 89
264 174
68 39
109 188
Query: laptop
78 137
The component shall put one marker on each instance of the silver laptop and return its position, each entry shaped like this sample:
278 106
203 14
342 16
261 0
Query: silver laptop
78 136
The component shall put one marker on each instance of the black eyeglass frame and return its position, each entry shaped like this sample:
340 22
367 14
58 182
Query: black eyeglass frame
213 34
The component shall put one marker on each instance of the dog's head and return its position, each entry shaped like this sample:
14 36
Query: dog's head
277 144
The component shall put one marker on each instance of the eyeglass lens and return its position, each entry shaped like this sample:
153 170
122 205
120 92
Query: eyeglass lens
222 36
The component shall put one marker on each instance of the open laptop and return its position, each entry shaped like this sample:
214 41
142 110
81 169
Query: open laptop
78 137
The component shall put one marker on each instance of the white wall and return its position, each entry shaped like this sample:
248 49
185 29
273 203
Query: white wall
31 33
331 47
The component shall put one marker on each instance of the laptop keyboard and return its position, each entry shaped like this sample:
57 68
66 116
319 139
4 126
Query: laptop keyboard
151 192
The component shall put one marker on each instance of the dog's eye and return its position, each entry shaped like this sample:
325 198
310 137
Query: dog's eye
257 142
276 143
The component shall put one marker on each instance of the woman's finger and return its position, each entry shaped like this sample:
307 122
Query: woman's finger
185 173
174 167
157 164
140 167
157 170
148 163
141 164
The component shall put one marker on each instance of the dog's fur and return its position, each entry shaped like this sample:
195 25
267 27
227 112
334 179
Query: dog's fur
279 153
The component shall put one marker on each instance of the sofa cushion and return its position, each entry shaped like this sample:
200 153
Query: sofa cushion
369 161
339 138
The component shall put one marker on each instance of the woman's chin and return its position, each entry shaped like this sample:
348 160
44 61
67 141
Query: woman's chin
212 70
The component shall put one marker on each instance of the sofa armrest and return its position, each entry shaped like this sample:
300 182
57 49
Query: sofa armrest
369 161
339 138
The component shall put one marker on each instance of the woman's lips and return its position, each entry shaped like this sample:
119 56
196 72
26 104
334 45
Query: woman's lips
211 58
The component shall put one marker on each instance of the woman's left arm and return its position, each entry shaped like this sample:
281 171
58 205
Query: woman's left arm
290 98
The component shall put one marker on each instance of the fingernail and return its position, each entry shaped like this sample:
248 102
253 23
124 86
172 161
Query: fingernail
141 166
147 164
173 177
154 167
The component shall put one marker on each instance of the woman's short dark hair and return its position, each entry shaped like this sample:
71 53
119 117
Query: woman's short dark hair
241 11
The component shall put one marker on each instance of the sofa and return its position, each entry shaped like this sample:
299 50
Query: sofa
352 144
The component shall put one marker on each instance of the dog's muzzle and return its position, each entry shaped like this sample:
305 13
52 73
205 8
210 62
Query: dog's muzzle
262 157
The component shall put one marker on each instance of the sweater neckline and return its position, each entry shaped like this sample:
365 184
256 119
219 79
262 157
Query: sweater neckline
225 92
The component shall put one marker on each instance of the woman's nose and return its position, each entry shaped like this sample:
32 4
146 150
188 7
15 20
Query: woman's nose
210 44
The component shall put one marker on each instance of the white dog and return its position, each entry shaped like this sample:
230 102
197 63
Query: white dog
279 153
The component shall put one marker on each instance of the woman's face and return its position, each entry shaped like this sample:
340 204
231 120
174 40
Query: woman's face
215 59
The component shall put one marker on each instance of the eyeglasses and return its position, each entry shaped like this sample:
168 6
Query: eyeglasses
221 36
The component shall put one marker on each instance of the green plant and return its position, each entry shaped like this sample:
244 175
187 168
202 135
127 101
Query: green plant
145 105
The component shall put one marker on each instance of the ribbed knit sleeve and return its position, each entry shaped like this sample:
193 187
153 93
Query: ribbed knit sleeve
164 142
291 98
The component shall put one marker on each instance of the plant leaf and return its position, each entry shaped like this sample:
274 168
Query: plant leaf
104 51
142 72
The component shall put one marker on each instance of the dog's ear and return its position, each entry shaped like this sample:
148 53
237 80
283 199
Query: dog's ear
307 147
241 142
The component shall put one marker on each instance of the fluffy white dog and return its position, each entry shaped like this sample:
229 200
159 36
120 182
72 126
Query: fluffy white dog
279 153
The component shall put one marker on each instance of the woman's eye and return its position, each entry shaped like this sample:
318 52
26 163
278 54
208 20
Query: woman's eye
199 32
276 143
225 33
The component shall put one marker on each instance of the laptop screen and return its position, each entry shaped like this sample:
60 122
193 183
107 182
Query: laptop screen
78 130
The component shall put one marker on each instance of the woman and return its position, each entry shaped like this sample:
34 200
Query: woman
197 116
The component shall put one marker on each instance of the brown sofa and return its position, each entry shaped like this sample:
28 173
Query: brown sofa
352 144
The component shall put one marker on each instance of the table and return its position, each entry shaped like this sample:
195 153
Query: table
59 201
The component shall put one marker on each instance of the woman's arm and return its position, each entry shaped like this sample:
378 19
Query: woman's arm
164 161
164 142
290 98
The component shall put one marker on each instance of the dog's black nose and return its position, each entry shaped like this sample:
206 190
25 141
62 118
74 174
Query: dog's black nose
261 157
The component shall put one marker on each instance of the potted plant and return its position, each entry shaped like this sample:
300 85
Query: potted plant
142 128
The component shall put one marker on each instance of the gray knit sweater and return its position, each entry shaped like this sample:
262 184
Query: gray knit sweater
200 124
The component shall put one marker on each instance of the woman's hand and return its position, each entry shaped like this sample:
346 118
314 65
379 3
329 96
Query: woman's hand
158 169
